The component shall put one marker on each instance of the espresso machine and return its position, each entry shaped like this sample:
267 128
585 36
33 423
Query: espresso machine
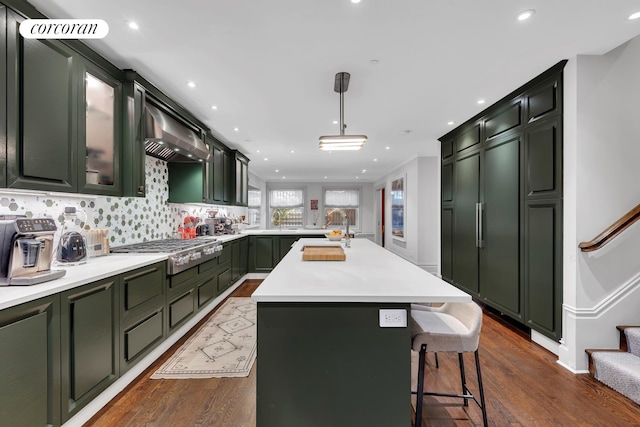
26 248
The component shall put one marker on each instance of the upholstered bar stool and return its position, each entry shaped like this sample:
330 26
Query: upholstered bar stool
452 327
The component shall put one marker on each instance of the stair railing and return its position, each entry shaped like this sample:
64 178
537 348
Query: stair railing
612 231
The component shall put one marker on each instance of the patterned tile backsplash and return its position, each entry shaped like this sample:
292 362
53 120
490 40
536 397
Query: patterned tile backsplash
129 219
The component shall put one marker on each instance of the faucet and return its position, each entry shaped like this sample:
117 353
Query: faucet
347 239
276 213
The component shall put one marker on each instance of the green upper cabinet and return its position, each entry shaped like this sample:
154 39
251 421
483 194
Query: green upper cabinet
63 118
241 178
186 183
42 112
133 154
100 133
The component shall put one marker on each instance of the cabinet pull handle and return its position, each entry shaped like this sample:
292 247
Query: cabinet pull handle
477 225
480 227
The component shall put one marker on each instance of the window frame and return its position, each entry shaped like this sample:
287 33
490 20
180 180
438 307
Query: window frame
358 220
271 209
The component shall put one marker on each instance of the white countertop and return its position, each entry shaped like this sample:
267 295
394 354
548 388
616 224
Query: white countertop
369 274
93 270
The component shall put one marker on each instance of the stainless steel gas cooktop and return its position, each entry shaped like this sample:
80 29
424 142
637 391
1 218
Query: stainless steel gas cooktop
183 253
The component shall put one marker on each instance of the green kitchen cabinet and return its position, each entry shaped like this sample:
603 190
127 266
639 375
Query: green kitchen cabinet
501 195
143 313
262 253
500 261
207 283
187 183
3 96
133 153
42 112
219 175
465 235
225 261
30 363
90 343
241 179
284 245
64 113
239 258
181 298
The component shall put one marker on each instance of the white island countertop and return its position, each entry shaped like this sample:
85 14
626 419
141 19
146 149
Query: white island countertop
369 274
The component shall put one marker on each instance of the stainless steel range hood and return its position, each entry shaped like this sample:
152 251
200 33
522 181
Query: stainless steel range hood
170 140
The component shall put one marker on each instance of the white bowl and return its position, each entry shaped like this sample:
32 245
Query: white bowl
334 237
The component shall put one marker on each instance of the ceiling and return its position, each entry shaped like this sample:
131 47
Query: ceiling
415 65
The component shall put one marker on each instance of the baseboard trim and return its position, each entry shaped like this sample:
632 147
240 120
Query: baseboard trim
570 369
547 343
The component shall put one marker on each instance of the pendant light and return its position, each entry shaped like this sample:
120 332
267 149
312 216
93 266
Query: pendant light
342 141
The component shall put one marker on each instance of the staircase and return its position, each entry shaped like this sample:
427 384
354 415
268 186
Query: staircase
619 369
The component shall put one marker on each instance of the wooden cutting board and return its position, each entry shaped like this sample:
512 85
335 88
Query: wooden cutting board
323 253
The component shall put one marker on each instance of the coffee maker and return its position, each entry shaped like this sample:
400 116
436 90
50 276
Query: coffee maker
26 247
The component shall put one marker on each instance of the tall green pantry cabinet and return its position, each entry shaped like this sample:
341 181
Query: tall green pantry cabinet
501 195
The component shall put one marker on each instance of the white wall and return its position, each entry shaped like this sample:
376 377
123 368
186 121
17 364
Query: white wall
601 157
422 222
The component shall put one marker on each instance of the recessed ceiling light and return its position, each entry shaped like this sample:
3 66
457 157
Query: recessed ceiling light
236 129
450 123
292 151
523 16
375 160
257 151
191 84
214 107
277 170
387 148
357 177
364 170
283 177
355 1
634 16
325 177
335 122
481 101
266 159
133 25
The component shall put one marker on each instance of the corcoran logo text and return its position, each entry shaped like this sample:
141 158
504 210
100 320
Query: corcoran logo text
64 29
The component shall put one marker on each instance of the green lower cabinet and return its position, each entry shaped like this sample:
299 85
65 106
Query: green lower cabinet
30 363
89 335
207 291
224 278
143 301
139 336
180 309
262 250
284 245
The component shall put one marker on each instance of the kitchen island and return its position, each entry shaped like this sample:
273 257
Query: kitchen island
324 358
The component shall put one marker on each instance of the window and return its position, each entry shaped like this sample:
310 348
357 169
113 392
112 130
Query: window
341 203
286 207
254 205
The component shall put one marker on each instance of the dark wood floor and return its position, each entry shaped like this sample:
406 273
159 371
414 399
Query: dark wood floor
523 383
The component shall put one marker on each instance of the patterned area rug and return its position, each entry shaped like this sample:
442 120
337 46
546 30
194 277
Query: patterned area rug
225 346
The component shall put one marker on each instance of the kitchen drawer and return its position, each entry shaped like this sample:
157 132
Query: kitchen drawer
207 291
181 308
143 285
225 255
142 335
183 278
224 280
207 268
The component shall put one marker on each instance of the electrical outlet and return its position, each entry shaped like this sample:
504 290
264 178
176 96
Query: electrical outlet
393 318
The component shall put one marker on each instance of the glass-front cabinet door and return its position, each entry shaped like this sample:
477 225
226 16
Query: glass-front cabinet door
99 155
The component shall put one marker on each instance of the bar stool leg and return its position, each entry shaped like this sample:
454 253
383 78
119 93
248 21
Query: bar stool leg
481 389
463 378
420 390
